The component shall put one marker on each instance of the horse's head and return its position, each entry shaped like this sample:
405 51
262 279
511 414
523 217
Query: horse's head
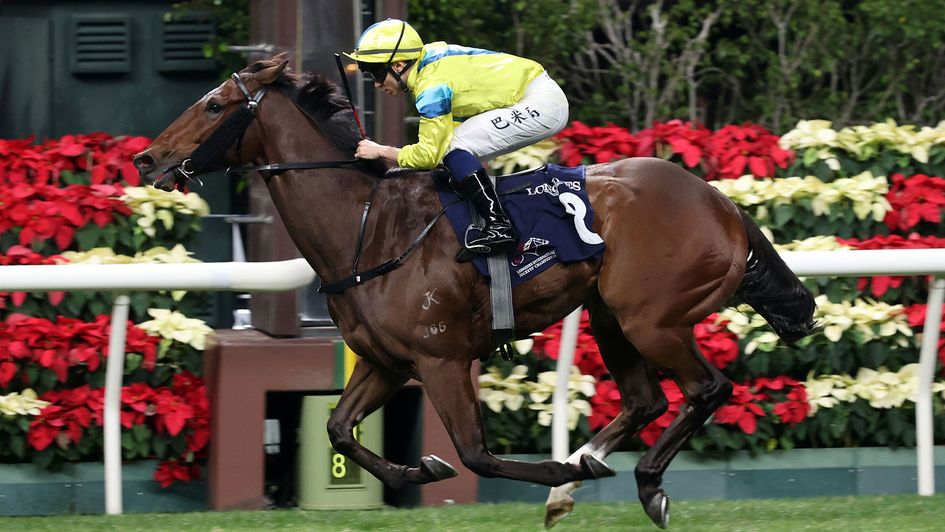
209 134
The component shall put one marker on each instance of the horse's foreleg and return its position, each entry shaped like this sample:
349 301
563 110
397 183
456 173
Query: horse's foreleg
449 387
369 388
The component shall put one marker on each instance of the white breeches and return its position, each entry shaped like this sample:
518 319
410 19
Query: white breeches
542 112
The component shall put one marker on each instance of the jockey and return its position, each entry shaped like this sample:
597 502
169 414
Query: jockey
474 105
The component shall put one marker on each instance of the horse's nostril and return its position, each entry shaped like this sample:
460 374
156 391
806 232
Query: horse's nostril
144 162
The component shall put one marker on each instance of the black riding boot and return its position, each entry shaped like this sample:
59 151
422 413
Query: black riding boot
497 233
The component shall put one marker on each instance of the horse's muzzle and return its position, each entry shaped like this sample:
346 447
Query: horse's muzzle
165 179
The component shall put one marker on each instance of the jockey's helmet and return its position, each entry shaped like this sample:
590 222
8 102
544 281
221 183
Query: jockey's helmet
387 41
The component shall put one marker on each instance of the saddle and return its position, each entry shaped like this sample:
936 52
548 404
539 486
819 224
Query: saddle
551 213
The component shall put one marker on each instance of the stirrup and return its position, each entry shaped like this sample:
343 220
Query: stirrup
484 247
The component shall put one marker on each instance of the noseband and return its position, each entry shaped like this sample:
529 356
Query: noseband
209 153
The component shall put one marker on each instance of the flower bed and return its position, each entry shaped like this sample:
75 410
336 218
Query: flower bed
77 200
853 384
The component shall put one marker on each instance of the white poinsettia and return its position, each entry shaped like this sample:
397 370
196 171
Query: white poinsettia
813 243
810 134
818 140
531 156
865 193
173 325
156 255
151 205
828 390
22 403
576 409
580 387
866 318
500 392
880 387
869 318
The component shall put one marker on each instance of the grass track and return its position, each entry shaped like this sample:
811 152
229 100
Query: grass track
835 514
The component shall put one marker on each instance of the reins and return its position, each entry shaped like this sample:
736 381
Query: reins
232 131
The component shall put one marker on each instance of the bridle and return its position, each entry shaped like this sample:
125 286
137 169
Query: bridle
209 153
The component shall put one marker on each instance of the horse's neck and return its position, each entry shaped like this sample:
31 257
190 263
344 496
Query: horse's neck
321 208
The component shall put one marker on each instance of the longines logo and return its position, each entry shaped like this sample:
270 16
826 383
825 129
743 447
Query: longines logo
552 188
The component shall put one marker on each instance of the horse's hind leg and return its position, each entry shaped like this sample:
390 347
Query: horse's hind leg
641 398
705 389
448 385
369 388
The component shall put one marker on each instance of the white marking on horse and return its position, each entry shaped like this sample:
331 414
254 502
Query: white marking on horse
575 207
433 330
430 300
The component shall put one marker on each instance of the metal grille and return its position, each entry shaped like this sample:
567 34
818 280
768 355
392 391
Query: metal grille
100 44
182 44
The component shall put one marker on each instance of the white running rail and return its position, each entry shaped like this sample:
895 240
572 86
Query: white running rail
296 273
841 263
123 278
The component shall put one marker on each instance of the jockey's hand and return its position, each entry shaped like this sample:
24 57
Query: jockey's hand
368 149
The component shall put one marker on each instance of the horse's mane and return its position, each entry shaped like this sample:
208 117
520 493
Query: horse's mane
322 100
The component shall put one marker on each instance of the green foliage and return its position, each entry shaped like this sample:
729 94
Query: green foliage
768 62
232 22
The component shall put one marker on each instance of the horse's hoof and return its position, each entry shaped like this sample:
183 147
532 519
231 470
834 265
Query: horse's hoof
558 510
437 467
595 468
658 509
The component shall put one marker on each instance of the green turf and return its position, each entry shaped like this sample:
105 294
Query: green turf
837 514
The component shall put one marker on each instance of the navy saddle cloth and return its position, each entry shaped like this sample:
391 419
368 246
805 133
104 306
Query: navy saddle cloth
551 214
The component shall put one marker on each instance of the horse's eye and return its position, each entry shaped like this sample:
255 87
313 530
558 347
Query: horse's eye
214 108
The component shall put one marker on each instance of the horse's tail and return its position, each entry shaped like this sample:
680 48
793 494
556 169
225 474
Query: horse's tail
772 289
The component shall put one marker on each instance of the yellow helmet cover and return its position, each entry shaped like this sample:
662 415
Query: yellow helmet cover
387 41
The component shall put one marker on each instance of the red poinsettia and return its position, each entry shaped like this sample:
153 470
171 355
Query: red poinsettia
106 158
601 144
180 409
879 285
605 404
727 153
67 342
586 353
717 343
915 314
171 471
682 138
746 149
914 199
66 418
45 212
795 409
742 410
18 254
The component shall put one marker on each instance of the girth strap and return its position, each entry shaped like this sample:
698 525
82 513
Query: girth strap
359 278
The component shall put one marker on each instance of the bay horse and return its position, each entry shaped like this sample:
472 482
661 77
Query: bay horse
676 250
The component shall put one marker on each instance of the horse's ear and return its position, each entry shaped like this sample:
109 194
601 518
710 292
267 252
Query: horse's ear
272 68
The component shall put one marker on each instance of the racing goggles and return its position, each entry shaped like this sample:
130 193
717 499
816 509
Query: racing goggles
376 71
